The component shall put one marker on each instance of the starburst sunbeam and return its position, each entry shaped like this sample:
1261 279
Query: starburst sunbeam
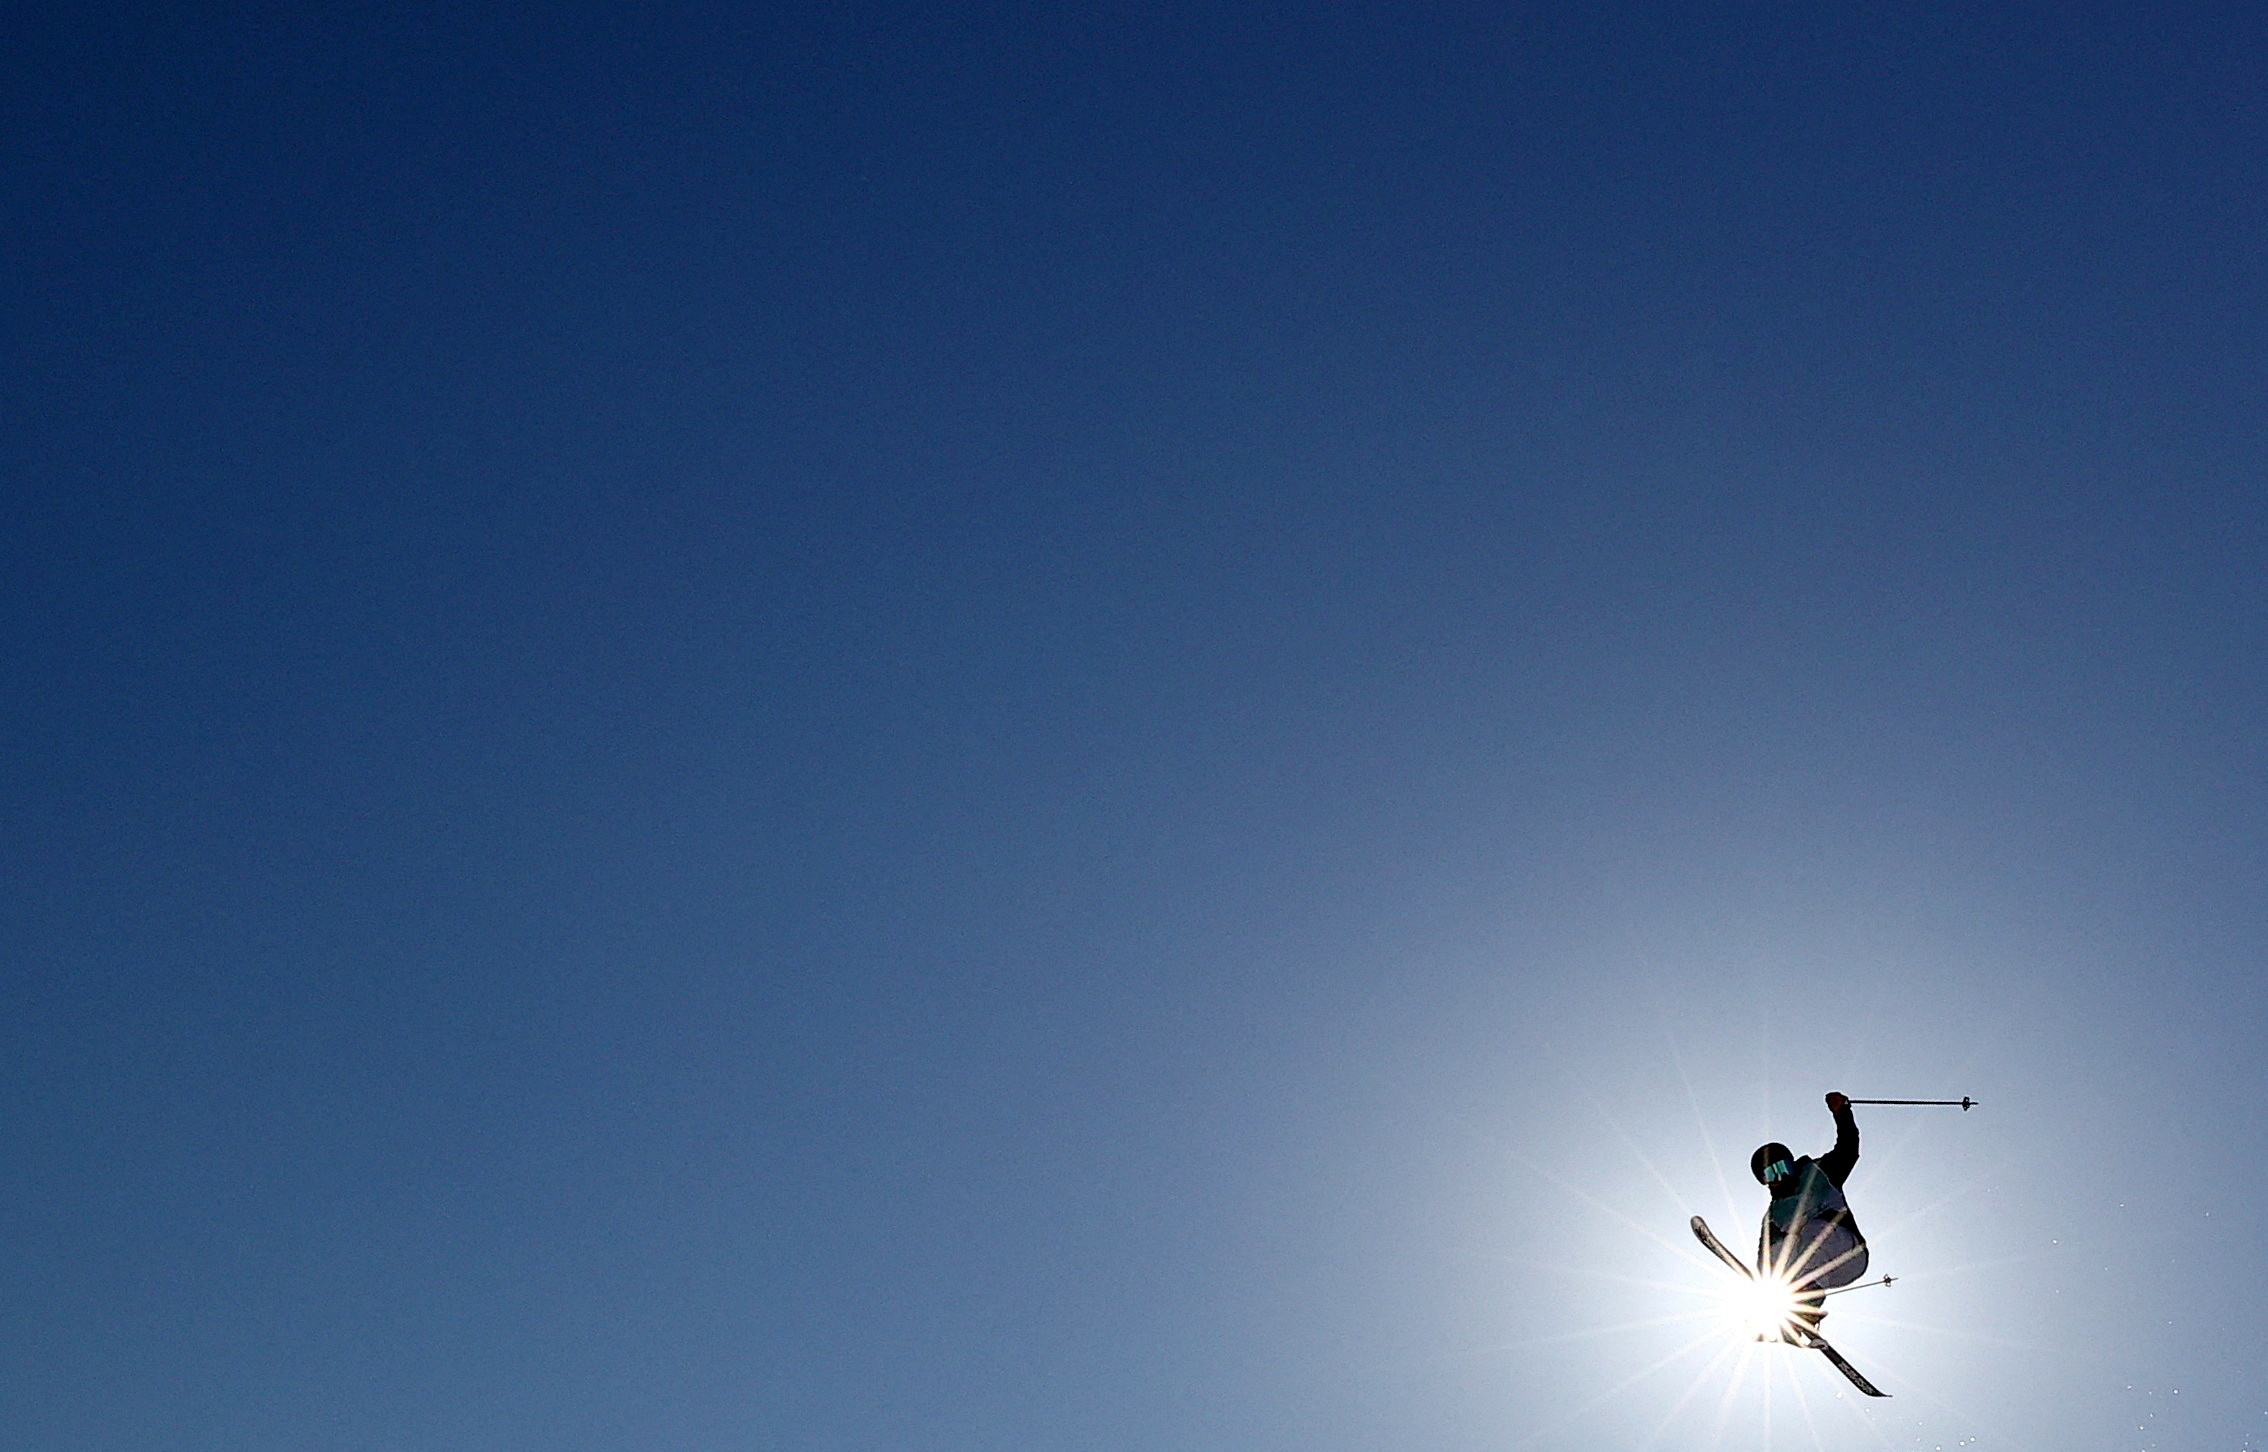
1617 1389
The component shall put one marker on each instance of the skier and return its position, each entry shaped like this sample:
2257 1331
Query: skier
1808 1236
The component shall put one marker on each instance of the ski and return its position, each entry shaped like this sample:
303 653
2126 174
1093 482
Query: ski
1708 1237
1811 1338
1819 1343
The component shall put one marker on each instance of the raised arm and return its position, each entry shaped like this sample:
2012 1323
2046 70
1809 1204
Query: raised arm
1838 1162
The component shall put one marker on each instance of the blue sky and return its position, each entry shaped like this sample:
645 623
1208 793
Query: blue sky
852 727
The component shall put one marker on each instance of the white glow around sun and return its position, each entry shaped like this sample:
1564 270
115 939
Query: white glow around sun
1761 1307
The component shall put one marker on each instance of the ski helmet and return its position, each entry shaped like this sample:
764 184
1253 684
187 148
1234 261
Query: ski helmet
1771 1164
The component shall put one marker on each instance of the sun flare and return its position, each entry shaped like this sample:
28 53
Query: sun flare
1761 1308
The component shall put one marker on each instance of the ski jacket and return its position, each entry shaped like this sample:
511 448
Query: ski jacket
1808 1233
1838 1162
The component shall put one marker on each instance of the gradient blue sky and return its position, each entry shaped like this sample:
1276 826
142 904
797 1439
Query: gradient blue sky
1017 727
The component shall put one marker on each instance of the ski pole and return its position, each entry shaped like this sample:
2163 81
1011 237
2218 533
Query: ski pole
1862 1285
1964 1103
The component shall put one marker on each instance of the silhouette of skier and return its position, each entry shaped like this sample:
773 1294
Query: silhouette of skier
1808 1237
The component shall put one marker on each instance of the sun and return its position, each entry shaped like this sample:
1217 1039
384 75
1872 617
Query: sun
1761 1308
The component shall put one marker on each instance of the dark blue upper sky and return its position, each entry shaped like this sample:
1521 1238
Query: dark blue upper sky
833 726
